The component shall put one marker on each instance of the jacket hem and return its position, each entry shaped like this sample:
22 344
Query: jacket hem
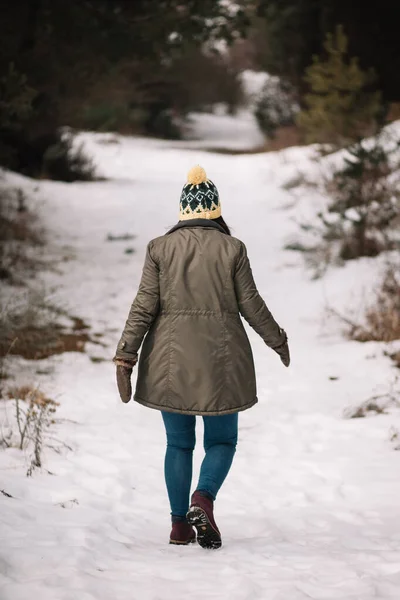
199 413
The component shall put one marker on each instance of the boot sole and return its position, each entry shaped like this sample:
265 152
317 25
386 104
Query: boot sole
207 536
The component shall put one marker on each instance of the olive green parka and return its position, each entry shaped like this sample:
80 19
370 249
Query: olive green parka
196 357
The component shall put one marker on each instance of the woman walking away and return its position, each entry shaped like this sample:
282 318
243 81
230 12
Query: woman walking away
196 358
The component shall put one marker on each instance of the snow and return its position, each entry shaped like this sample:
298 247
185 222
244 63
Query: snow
223 132
218 130
311 506
253 83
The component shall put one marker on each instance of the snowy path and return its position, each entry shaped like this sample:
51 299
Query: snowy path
311 508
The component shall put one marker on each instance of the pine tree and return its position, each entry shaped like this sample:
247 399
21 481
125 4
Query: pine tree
341 107
365 199
289 32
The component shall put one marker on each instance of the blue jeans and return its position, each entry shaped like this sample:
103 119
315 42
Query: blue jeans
220 439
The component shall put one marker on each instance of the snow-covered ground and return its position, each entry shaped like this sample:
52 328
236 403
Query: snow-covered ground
221 131
311 508
213 131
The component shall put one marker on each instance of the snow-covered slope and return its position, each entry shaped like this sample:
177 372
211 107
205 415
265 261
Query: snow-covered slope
311 507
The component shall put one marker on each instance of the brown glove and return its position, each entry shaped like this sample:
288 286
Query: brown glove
283 351
124 372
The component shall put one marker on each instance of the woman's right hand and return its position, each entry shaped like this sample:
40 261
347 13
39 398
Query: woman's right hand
124 372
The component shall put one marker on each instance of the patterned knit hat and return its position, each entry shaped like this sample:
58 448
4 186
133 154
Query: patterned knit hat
199 198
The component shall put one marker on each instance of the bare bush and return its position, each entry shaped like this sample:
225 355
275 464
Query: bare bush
276 106
20 233
65 161
34 414
382 315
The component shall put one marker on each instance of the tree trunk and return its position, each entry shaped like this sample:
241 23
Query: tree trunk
360 234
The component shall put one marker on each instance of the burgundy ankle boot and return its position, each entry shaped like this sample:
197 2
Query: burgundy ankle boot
182 534
201 516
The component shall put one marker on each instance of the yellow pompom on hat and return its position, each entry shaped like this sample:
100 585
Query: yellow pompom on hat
196 175
199 198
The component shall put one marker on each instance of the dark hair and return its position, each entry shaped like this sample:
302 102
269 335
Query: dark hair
224 226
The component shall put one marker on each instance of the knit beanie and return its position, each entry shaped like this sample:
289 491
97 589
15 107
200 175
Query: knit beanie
199 198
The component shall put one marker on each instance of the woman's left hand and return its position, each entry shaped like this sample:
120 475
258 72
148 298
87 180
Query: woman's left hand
283 350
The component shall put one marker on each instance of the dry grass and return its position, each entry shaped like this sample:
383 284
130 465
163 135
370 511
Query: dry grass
29 321
33 332
13 205
377 405
382 318
34 415
395 356
370 406
285 137
37 343
20 232
394 437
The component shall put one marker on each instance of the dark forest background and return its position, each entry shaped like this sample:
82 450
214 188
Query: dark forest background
141 66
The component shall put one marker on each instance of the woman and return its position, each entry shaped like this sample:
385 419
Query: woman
196 358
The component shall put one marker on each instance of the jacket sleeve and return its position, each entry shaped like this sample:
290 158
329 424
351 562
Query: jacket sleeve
143 311
252 306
